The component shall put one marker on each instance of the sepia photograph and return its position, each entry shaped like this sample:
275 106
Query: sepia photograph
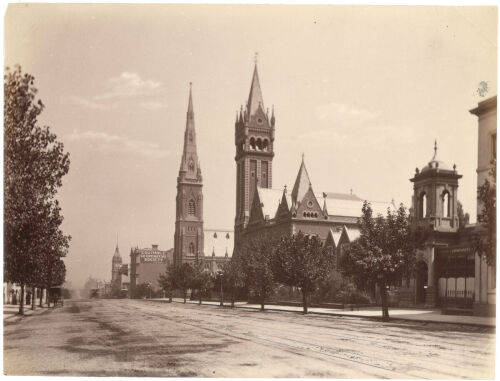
249 190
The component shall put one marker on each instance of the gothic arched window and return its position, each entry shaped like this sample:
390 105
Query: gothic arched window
191 248
259 144
191 208
191 165
446 204
252 144
265 145
422 205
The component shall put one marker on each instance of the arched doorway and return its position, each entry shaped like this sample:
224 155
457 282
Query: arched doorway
421 282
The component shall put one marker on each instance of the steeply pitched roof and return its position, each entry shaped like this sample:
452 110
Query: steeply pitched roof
302 183
352 233
270 199
255 97
335 234
346 205
218 242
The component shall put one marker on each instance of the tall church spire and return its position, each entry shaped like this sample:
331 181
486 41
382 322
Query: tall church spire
255 99
190 166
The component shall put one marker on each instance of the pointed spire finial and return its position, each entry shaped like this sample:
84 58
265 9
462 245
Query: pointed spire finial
190 111
302 157
435 149
256 57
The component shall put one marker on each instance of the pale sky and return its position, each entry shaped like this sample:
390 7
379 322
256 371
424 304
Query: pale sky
361 91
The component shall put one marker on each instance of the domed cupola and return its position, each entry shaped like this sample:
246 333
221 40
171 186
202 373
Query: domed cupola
435 164
435 195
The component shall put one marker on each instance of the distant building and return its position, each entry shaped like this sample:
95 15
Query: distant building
146 265
219 245
116 275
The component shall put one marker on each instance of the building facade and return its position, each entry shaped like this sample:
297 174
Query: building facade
188 237
450 273
485 285
146 266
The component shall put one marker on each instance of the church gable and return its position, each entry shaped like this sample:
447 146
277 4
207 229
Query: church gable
309 206
256 214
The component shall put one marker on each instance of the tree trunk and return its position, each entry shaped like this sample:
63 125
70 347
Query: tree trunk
21 301
170 297
232 299
33 296
383 297
199 297
262 301
304 300
41 297
185 296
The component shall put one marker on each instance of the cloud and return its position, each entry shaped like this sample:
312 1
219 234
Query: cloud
129 85
90 104
126 86
336 112
115 143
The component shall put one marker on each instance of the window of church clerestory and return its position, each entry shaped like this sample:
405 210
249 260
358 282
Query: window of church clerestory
191 208
423 206
446 204
191 248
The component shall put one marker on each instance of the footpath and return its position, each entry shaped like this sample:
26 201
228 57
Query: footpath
409 314
10 312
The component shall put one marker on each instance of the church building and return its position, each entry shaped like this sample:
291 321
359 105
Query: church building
262 210
190 235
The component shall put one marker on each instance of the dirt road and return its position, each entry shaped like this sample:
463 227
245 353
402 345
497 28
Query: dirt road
140 338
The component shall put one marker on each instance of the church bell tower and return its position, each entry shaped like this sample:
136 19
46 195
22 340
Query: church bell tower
188 238
254 140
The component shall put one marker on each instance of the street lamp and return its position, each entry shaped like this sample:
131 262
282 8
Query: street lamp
221 290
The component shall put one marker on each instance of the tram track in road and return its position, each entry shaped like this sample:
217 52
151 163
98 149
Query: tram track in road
444 358
295 346
348 354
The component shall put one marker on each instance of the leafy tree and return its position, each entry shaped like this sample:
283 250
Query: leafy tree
463 218
142 290
166 281
233 276
183 276
202 280
257 257
302 261
384 252
487 194
34 165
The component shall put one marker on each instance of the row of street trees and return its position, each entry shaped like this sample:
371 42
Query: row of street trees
383 255
34 165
